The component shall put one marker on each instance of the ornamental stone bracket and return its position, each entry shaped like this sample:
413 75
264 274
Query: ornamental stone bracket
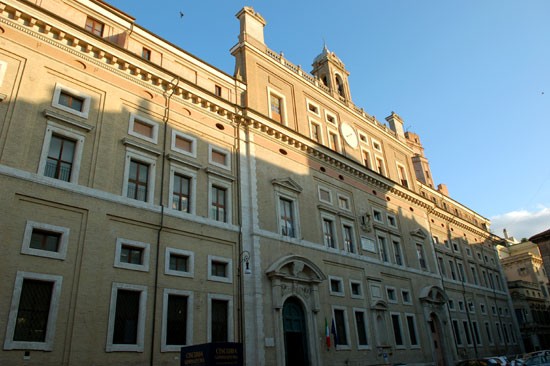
294 275
433 296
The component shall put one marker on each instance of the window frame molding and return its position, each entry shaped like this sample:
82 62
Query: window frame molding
144 267
314 104
351 224
410 300
132 154
192 174
215 180
400 319
220 150
53 128
394 289
188 332
173 147
47 345
61 253
361 294
139 345
331 130
325 215
146 121
86 100
340 280
330 114
347 346
230 327
191 262
312 122
284 117
229 268
415 324
365 320
325 189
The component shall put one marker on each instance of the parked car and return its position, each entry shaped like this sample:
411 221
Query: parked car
498 360
538 360
544 352
480 362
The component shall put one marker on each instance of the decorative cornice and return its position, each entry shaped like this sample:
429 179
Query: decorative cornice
124 66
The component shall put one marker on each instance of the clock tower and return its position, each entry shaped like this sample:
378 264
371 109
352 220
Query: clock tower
332 73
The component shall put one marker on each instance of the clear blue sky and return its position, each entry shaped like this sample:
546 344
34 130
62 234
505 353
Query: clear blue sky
471 77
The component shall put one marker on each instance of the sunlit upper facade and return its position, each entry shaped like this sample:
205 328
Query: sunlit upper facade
139 182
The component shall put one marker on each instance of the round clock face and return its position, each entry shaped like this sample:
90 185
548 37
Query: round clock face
349 135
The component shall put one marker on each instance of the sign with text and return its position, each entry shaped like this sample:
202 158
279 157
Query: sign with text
212 354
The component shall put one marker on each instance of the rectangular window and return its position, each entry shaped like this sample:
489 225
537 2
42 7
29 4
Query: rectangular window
377 215
406 295
45 240
336 286
392 295
33 311
218 269
366 159
71 101
60 158
334 141
392 222
142 128
315 132
138 180
380 166
474 275
442 266
421 258
179 262
382 248
456 330
32 318
489 333
287 217
328 233
411 325
361 326
176 320
131 254
218 90
356 290
461 274
453 269
349 241
476 333
219 316
343 203
397 333
183 143
94 26
218 203
402 176
341 330
146 54
467 332
325 195
276 107
181 194
397 252
126 317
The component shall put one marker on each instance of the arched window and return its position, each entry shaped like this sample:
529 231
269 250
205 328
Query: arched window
340 86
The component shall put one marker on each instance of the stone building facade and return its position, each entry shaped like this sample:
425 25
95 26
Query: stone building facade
151 201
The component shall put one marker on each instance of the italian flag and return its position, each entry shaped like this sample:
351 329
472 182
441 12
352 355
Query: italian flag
327 333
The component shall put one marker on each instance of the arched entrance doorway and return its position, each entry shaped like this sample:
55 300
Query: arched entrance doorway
435 329
295 334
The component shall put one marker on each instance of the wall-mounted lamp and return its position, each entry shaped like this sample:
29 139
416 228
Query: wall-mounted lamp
245 258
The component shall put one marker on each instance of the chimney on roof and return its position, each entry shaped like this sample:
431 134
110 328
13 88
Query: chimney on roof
252 25
442 188
396 125
505 232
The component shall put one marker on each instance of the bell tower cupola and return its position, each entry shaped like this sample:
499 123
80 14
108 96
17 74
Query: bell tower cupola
332 73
